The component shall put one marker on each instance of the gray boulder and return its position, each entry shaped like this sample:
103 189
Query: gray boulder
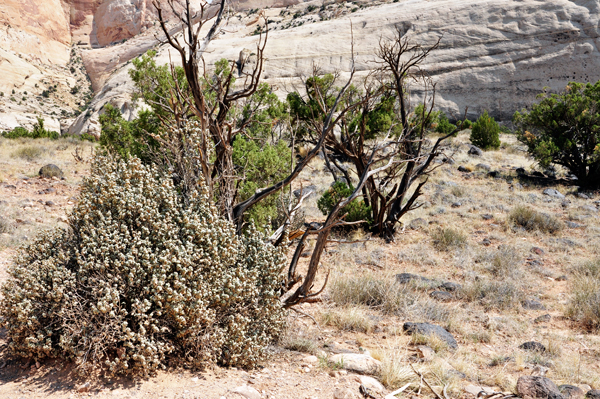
553 193
49 171
429 330
533 347
571 391
475 151
593 394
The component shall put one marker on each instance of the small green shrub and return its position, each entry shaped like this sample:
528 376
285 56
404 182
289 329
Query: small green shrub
38 132
142 278
584 306
530 220
444 126
355 210
446 238
466 124
485 132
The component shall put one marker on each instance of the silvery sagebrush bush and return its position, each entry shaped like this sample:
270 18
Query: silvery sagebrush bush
140 279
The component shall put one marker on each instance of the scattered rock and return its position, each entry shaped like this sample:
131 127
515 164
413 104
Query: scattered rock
487 216
571 391
486 242
476 389
533 387
589 208
583 196
49 171
573 225
532 304
483 166
442 296
417 224
311 360
457 204
520 171
533 346
542 319
593 394
247 392
405 278
561 278
359 363
493 173
475 151
85 387
431 329
369 383
425 352
553 193
10 186
344 393
463 169
49 190
308 191
49 203
537 251
450 286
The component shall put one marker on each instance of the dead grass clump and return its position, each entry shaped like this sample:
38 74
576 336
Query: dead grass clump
505 262
29 153
384 294
446 238
584 306
300 344
531 220
432 341
349 319
5 226
457 191
499 295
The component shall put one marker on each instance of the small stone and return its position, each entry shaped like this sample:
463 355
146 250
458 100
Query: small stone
405 278
583 196
360 363
571 391
431 329
85 387
463 169
370 383
534 387
483 166
49 171
589 208
486 242
487 216
344 393
475 151
247 392
533 304
457 204
493 173
441 296
561 278
542 319
533 347
573 225
553 193
305 191
537 251
311 360
520 171
417 224
49 203
425 352
593 394
450 286
476 389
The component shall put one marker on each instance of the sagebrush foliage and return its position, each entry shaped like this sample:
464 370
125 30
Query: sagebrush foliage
140 279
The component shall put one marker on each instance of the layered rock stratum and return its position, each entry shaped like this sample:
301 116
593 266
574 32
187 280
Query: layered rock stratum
494 55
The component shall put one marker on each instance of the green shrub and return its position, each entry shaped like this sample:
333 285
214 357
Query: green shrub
38 132
530 219
141 279
444 126
485 132
564 129
355 210
466 124
29 153
446 238
584 305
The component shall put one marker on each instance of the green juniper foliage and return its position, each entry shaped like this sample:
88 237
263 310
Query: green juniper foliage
355 210
485 132
564 129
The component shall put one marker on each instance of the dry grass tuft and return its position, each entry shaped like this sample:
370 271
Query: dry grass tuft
29 153
530 220
584 306
446 238
349 318
299 344
498 295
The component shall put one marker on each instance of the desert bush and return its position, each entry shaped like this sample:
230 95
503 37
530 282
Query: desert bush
530 219
5 226
29 152
299 344
142 278
443 125
485 132
564 129
446 238
584 305
505 262
38 132
355 210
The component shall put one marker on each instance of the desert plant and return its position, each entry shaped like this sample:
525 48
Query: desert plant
444 126
142 278
564 129
29 152
355 210
349 318
530 219
584 305
5 225
498 295
485 132
446 238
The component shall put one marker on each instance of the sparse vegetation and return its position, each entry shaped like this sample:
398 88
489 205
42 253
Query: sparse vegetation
485 132
447 238
584 306
29 153
351 318
531 220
